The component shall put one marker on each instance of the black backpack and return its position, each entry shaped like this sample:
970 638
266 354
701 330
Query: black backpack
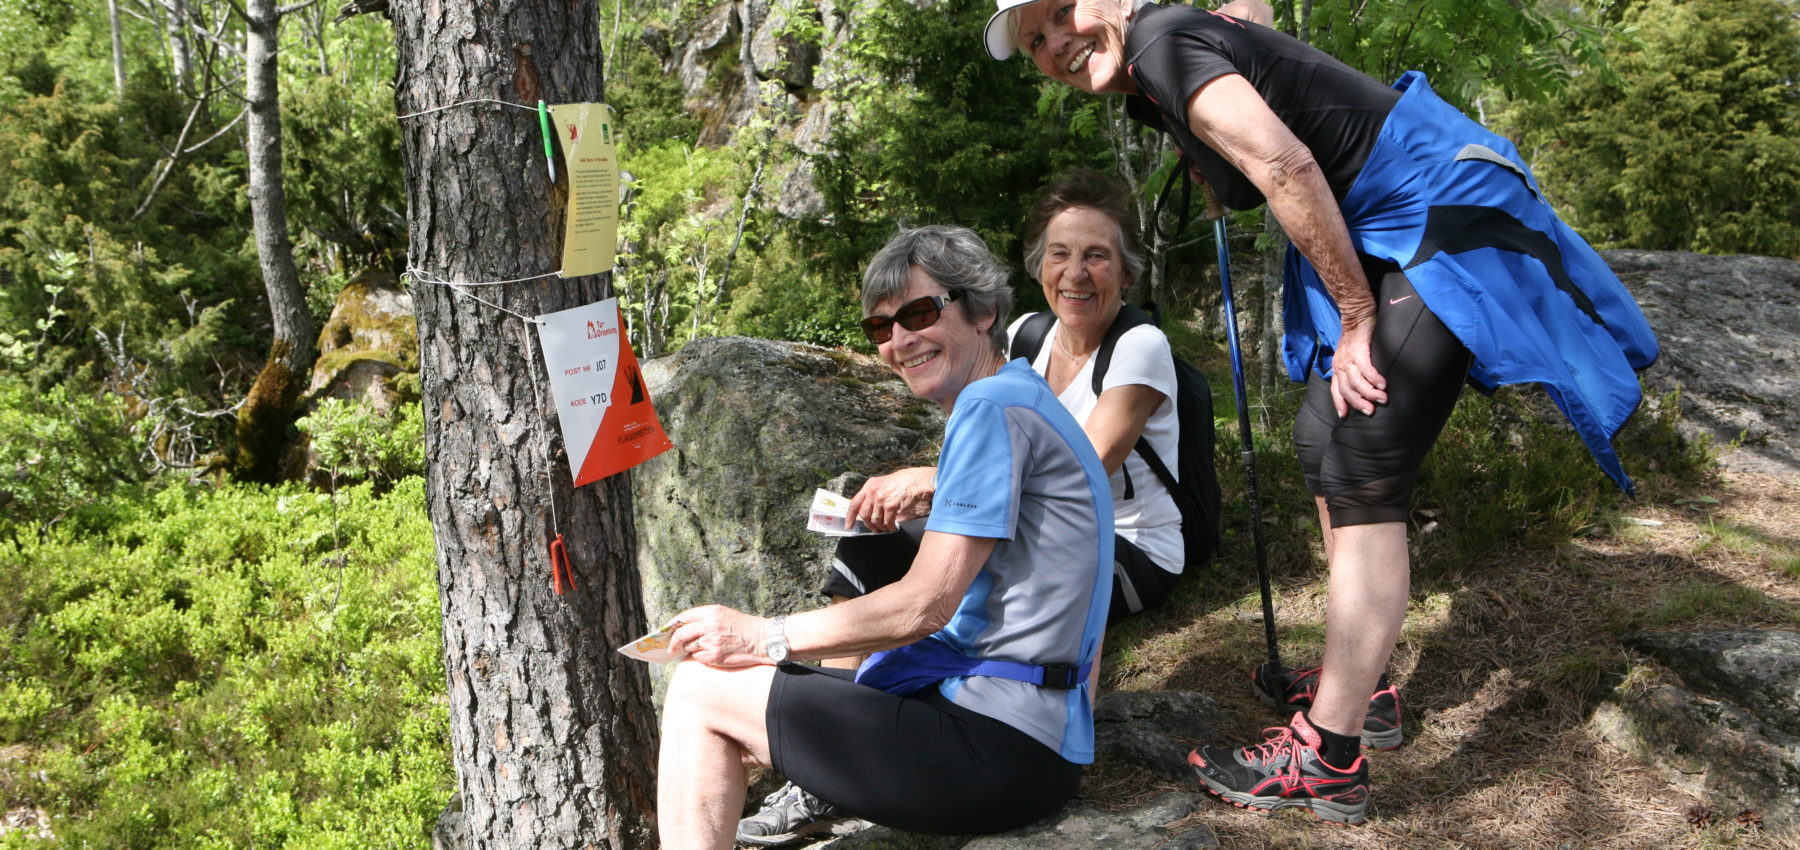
1196 492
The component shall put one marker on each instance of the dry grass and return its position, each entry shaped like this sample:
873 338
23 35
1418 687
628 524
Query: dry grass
1502 661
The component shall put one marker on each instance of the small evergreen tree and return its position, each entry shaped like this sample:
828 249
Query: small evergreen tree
1692 144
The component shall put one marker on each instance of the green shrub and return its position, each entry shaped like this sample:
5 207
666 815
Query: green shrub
354 442
1508 470
241 667
60 450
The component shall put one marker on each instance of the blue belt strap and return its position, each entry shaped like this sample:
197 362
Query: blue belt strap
916 666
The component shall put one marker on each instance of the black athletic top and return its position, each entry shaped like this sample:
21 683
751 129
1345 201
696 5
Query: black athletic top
1334 109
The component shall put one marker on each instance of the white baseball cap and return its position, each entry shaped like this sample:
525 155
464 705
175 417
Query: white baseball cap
999 28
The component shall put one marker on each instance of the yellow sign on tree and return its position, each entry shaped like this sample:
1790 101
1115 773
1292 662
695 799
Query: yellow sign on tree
591 229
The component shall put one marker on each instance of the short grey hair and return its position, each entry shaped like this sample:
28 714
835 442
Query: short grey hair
1087 189
958 260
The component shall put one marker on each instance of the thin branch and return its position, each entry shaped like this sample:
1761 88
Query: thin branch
222 131
174 156
293 7
219 42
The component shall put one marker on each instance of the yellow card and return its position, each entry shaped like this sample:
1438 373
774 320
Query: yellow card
591 230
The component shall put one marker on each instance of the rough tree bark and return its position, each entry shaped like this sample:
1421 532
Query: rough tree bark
262 427
552 733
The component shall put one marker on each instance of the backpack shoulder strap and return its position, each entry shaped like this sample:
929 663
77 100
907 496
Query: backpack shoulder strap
1129 317
1030 338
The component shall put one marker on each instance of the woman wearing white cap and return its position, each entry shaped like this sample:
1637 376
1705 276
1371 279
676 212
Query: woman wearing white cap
1423 256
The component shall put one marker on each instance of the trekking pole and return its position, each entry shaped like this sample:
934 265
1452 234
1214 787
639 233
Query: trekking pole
1273 670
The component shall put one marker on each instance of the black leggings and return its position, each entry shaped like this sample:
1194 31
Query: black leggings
919 763
1366 466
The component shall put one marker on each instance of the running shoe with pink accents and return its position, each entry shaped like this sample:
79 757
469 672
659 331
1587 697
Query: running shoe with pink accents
1381 726
1285 770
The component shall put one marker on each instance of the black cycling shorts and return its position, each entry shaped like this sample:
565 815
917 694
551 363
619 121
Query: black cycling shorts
863 564
918 764
1366 466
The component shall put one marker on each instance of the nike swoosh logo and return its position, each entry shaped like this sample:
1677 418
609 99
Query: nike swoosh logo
1393 301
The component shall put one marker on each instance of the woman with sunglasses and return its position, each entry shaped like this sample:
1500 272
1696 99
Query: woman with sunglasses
1079 248
1422 255
975 712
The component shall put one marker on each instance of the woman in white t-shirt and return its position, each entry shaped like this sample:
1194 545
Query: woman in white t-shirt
1079 247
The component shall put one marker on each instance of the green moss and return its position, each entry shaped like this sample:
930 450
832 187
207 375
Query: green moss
1688 603
352 314
262 426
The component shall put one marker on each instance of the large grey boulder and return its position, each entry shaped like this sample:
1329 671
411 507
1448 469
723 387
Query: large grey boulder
1730 333
1757 669
1728 732
757 426
1154 730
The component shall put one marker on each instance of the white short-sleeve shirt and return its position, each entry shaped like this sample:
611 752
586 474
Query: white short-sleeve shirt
1149 520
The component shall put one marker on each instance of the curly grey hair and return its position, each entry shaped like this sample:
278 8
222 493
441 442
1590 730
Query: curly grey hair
956 258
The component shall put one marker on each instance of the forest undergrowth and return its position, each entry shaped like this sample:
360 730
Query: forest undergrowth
206 665
1527 571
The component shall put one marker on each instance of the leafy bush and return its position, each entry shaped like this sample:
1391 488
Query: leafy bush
59 451
1690 145
1509 471
354 442
245 667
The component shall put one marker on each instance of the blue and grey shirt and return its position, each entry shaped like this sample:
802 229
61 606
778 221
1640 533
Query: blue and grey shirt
1017 467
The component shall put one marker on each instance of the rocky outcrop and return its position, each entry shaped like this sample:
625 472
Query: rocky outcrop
724 58
368 352
369 348
1079 826
1730 731
1154 730
757 426
1730 333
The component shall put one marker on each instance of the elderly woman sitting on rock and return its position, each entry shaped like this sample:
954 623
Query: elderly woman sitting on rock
974 714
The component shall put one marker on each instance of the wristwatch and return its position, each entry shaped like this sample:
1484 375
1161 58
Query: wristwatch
777 647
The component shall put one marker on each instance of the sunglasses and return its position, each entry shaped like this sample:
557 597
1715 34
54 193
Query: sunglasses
915 315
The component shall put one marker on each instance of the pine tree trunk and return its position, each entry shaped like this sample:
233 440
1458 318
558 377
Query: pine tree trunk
552 732
262 427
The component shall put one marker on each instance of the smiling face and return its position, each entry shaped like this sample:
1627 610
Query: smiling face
1083 271
937 361
1079 42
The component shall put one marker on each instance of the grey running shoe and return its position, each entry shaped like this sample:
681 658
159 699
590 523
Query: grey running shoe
1284 771
790 815
1293 690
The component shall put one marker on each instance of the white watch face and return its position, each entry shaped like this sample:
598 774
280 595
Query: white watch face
778 651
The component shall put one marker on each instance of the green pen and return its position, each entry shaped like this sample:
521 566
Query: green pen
544 126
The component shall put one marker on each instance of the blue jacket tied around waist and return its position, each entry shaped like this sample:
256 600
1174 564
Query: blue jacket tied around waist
1454 206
